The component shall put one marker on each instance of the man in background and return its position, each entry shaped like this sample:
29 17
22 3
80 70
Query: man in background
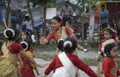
66 12
104 17
86 18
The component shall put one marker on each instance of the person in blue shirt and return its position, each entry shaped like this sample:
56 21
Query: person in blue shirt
104 17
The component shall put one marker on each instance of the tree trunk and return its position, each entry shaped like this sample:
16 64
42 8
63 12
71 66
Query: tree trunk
8 12
30 13
44 16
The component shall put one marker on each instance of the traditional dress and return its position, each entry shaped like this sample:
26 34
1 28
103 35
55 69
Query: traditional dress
56 35
27 67
56 63
100 50
100 46
66 31
9 59
110 68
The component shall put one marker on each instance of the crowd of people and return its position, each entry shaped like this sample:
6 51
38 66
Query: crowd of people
17 57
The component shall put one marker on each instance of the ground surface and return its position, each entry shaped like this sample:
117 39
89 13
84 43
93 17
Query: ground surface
82 55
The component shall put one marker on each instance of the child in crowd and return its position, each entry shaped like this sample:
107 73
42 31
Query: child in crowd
66 63
108 37
109 64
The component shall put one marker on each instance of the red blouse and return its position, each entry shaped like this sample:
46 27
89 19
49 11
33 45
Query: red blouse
55 36
15 47
26 69
75 60
107 65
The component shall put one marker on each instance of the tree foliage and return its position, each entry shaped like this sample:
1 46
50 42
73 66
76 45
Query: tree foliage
37 2
49 3
90 2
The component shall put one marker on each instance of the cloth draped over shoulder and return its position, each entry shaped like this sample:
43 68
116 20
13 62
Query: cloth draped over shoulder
68 69
64 33
8 63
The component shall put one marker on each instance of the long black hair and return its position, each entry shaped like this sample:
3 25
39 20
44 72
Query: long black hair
110 31
108 48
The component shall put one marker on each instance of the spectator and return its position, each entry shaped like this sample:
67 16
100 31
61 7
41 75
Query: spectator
66 12
27 23
86 16
104 17
96 17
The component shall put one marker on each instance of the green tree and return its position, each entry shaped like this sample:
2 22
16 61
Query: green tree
36 2
90 2
49 3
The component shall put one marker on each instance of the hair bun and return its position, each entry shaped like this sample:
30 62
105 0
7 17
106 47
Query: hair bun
11 30
24 45
68 43
60 40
